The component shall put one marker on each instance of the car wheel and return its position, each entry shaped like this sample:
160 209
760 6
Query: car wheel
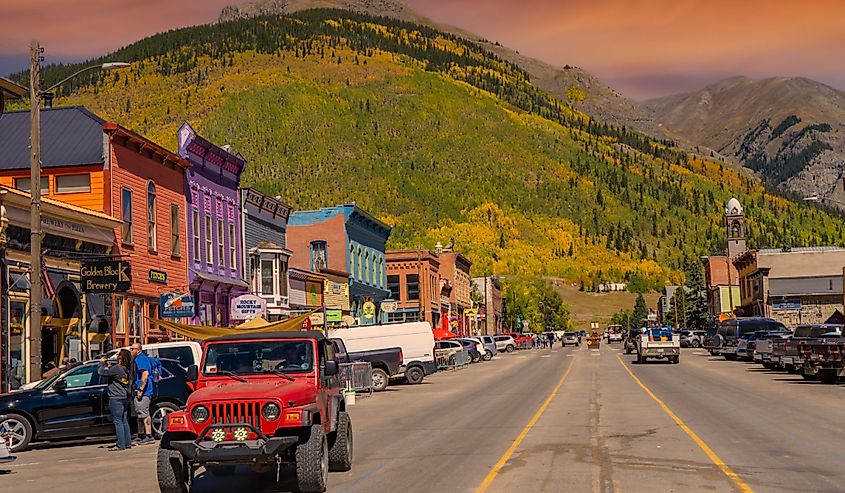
159 416
19 431
487 355
414 375
676 360
807 376
695 343
173 474
640 359
380 379
510 348
312 462
340 445
792 369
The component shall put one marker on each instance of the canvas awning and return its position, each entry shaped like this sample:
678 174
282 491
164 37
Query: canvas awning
201 332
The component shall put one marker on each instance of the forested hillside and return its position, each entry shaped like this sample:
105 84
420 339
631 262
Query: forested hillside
441 139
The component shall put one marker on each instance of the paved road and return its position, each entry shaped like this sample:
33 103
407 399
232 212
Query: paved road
562 420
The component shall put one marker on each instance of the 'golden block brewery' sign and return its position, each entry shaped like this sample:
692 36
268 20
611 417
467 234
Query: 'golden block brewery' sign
113 276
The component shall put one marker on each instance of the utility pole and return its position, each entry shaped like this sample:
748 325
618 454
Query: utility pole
33 339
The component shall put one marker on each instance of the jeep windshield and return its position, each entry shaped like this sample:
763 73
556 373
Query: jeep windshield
258 357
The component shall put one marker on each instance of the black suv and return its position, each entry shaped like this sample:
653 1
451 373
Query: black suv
731 330
74 403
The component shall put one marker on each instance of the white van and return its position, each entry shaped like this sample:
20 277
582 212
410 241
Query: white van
186 352
415 338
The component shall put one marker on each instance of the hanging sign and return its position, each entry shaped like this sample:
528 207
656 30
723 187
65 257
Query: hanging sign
369 312
173 305
113 276
247 307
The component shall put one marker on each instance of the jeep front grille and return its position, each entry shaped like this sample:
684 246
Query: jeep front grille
236 412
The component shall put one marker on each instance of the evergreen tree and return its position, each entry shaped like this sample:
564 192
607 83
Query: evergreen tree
640 312
696 300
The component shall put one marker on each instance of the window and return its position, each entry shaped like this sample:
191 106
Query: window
84 376
73 183
151 217
209 246
266 277
220 246
196 227
319 258
233 250
412 286
174 230
367 277
126 214
25 184
283 278
393 286
359 274
351 259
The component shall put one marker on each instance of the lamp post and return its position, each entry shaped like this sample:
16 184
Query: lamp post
33 339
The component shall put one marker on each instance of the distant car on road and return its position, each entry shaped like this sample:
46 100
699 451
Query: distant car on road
692 338
570 338
505 343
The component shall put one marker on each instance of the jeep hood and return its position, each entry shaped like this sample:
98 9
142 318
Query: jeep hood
276 388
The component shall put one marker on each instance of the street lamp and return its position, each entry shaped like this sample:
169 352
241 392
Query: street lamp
35 95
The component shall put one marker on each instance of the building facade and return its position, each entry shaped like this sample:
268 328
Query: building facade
721 282
455 269
344 238
489 293
413 279
215 254
306 291
264 222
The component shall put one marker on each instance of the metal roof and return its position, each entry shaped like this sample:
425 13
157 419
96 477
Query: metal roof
70 136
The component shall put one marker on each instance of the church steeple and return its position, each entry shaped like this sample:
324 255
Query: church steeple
735 224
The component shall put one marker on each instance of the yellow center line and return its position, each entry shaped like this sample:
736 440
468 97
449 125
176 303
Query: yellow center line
734 477
507 455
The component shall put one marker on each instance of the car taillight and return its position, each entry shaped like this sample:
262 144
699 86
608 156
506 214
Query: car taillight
402 357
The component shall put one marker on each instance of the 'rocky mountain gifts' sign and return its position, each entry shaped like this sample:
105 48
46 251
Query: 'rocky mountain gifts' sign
113 276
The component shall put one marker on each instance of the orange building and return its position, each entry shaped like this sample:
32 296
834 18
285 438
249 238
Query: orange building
414 282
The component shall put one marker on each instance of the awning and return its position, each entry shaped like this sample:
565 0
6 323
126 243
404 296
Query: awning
201 332
221 280
441 334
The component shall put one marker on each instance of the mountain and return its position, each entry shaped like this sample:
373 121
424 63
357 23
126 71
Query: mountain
441 139
791 131
580 88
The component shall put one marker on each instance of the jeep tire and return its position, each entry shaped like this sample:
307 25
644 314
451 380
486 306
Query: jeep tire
414 375
312 461
380 379
340 445
173 474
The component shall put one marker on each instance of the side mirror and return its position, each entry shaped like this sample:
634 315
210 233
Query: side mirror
331 369
192 373
60 384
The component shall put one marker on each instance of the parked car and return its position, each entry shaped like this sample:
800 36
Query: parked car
187 353
523 341
487 351
272 401
446 350
764 341
385 363
709 339
504 343
787 355
416 340
489 343
74 403
472 348
692 338
631 340
732 330
570 338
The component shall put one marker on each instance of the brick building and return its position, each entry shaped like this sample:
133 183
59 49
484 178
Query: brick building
413 278
454 270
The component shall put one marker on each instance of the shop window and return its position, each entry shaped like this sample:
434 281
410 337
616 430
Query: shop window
412 286
126 215
152 242
175 231
195 221
120 321
73 183
233 250
209 246
25 184
267 277
367 273
220 245
283 278
393 286
319 257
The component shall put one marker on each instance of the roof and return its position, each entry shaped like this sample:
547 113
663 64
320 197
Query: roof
733 208
349 211
11 89
302 334
70 136
816 249
159 151
190 143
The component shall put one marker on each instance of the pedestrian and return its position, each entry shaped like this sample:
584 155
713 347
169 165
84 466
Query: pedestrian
119 391
143 394
50 369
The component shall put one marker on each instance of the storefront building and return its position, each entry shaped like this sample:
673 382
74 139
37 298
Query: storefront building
72 235
215 236
413 279
264 222
306 291
489 291
344 239
454 268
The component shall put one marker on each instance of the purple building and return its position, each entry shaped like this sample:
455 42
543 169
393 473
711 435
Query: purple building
215 234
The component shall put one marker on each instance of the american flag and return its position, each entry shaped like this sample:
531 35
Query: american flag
46 282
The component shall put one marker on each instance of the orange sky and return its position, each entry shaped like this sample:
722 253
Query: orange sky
642 48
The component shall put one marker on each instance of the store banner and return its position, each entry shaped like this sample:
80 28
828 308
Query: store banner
174 305
112 276
247 307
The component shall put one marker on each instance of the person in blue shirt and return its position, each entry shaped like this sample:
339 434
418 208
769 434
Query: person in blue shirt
143 394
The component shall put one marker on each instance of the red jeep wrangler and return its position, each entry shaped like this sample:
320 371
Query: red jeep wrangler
266 400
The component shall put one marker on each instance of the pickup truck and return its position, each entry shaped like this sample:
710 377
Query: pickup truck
270 401
658 343
760 347
785 354
386 363
823 358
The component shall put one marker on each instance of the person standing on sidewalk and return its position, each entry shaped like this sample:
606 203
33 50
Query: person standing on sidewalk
143 394
118 390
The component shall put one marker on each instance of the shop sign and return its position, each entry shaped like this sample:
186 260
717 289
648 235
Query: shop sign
369 312
173 305
113 276
158 276
389 306
334 316
247 307
787 305
471 312
316 319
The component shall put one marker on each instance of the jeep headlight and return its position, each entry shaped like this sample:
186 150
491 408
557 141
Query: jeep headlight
199 414
271 411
